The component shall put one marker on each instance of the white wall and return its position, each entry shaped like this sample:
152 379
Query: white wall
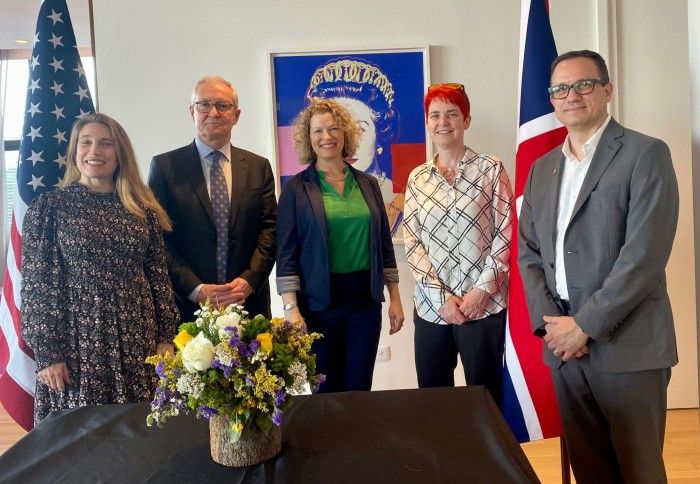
694 55
654 83
150 53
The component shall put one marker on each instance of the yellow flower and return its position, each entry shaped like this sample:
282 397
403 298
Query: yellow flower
265 341
182 339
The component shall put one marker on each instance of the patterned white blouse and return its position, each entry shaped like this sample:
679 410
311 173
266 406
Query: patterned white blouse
458 236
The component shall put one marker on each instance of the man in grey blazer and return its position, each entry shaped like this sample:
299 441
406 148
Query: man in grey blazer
222 202
597 223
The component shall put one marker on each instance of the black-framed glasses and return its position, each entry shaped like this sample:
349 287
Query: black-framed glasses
205 106
449 85
582 87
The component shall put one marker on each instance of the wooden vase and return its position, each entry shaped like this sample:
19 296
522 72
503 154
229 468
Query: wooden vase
253 447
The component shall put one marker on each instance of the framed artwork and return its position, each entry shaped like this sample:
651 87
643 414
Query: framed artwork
382 89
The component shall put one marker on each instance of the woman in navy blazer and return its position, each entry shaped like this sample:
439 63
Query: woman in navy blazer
334 249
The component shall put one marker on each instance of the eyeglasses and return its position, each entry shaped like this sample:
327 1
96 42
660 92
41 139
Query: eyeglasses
205 106
582 87
449 85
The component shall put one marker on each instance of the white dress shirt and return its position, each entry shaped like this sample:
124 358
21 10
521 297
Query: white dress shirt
571 180
204 151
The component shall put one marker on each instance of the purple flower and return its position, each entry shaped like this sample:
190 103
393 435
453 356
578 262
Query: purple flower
207 412
254 345
249 381
277 417
280 396
227 369
235 340
248 350
244 350
160 397
160 371
320 378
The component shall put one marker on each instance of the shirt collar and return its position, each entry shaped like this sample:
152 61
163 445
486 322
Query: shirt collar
589 146
468 155
205 150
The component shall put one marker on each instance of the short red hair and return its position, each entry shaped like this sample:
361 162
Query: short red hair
451 93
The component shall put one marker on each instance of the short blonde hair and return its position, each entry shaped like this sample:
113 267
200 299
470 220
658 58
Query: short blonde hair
302 127
133 193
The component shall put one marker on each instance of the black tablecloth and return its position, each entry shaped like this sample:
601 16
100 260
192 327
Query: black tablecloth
400 436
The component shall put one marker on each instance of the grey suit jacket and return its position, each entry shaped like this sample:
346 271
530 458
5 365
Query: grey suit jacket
616 248
177 180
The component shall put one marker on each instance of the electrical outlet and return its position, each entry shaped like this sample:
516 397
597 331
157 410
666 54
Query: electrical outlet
384 353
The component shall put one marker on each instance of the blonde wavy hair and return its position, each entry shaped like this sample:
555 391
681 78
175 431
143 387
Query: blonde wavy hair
133 193
302 125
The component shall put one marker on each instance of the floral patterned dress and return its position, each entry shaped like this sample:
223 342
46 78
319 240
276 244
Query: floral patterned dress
95 295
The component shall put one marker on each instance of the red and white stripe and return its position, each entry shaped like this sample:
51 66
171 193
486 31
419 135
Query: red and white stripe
17 367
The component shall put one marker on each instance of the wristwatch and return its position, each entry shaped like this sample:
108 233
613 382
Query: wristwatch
289 306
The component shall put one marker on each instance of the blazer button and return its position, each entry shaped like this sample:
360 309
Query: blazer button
572 252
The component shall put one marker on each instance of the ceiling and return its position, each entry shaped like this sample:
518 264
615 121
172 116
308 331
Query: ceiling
18 21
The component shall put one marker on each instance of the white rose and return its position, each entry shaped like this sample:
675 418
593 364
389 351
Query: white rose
198 354
227 320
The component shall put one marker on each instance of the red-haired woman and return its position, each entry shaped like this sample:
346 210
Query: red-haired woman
457 232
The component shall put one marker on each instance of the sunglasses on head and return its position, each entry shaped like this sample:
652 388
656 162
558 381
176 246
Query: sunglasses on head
449 85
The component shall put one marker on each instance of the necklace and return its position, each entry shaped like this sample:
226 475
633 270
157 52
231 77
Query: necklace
333 178
449 174
336 179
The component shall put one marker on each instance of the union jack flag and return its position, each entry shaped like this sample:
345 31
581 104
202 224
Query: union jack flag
529 403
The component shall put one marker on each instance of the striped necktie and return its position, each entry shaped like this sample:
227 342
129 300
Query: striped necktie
221 209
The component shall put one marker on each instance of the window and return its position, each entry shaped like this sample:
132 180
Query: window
13 94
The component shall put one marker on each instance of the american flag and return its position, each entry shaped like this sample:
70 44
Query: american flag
529 404
56 96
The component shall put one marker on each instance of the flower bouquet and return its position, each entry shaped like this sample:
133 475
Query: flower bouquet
235 371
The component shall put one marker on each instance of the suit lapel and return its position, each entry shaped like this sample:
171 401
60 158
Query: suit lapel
195 176
608 147
554 168
313 192
239 173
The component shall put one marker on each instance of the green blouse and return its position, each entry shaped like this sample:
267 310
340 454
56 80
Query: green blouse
347 222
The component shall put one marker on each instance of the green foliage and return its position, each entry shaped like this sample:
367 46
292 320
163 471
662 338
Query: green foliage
190 328
263 421
259 324
284 355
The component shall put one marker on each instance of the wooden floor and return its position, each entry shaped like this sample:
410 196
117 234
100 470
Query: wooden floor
681 452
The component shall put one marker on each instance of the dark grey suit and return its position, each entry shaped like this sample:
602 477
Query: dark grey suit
616 247
177 180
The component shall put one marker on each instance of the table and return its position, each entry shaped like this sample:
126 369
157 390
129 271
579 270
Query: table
399 436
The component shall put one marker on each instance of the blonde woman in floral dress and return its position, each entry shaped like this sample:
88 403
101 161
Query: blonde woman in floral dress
96 297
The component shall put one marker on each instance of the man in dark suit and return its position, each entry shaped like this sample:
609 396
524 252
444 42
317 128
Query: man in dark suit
597 223
222 203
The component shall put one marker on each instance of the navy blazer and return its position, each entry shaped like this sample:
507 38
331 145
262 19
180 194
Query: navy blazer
302 239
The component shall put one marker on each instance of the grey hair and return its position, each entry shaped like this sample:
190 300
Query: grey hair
219 79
